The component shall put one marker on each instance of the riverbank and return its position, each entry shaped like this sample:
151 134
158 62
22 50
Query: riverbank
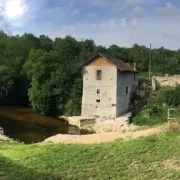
29 126
132 132
3 138
154 157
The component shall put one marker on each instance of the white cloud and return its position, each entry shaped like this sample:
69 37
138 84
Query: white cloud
133 22
123 5
151 28
123 23
123 32
138 11
103 25
112 24
169 10
141 2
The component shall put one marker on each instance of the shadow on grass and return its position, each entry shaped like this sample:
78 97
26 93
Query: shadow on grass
10 170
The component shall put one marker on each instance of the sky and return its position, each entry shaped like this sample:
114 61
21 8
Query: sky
107 22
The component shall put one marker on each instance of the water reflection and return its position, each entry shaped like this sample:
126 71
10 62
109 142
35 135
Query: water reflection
28 126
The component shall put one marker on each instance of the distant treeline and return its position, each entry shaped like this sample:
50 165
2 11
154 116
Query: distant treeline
46 73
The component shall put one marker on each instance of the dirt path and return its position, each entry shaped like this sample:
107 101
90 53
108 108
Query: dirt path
106 137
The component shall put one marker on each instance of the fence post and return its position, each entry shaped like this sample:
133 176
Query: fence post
169 118
173 118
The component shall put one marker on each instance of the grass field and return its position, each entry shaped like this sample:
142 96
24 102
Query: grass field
153 157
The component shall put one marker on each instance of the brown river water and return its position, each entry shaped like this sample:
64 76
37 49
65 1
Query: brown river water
28 126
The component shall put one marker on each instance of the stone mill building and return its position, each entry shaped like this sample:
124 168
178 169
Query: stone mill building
107 87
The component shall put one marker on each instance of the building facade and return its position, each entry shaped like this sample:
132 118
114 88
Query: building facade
107 87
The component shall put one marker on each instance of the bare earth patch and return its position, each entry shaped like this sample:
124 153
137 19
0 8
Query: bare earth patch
172 164
131 133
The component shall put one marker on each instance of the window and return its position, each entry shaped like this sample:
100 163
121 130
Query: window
98 91
98 100
134 76
98 74
127 89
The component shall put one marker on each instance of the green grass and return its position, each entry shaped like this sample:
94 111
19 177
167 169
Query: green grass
143 158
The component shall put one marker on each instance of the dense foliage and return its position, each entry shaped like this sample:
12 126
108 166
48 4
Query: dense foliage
46 73
173 97
156 110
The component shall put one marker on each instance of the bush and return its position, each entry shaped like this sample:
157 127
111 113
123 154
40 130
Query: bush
172 97
154 109
73 104
141 119
155 112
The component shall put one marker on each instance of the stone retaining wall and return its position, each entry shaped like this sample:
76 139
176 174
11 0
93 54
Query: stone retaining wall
85 122
78 120
168 80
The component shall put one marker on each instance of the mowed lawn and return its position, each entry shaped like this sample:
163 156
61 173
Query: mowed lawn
154 157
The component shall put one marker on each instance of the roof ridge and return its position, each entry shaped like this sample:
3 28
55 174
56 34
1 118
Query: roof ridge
120 64
104 56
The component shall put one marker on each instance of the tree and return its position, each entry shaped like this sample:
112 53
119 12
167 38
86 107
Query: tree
47 73
46 43
6 81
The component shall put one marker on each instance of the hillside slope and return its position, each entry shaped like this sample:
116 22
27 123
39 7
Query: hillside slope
153 157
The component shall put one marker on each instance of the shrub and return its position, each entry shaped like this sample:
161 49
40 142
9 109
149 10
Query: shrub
73 104
154 109
172 97
155 112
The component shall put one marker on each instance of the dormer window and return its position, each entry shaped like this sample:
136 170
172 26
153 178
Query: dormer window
99 75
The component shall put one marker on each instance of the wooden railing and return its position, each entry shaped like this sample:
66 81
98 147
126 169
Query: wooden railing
173 115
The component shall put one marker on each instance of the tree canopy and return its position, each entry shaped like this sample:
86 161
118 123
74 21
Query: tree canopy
46 73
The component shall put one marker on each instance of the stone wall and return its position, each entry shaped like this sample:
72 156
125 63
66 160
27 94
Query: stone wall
168 80
102 104
78 121
154 84
85 122
129 80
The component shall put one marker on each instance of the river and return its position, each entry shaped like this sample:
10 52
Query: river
28 126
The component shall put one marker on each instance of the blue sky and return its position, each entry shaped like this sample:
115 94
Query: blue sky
121 22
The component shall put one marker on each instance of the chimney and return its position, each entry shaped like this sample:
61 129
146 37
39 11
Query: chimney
135 69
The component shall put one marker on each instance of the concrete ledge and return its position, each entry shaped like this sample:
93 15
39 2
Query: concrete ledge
79 121
87 121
